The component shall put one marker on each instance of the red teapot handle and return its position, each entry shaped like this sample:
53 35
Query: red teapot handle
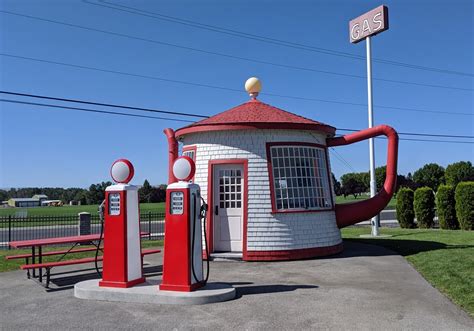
352 213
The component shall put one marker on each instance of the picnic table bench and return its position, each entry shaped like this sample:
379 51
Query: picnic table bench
49 265
75 240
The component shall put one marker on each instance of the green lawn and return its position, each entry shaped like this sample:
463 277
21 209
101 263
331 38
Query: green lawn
350 198
9 265
74 210
445 258
144 208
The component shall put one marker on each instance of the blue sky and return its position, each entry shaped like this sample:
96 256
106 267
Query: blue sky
46 147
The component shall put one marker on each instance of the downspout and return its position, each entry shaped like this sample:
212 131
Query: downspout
172 153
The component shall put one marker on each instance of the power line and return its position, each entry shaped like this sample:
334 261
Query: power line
337 155
430 140
179 120
230 89
344 161
196 115
100 104
92 110
240 58
265 39
419 134
439 141
340 160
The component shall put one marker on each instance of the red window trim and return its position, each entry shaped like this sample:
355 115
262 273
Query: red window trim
191 148
210 215
270 174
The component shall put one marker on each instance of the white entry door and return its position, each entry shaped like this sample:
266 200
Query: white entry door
228 200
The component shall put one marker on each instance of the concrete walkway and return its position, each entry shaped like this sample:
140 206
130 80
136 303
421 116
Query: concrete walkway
365 288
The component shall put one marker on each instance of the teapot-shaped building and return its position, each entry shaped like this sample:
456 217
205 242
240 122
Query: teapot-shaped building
266 176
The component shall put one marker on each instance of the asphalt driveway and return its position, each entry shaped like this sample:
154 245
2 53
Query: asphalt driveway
365 288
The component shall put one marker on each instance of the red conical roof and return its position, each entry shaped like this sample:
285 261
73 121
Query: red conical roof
255 114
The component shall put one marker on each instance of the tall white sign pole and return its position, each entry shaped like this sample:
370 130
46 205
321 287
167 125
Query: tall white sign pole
360 28
373 184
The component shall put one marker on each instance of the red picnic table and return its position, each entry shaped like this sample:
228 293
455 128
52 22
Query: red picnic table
39 243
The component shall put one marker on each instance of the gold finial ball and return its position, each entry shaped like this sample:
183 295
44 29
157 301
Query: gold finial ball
253 86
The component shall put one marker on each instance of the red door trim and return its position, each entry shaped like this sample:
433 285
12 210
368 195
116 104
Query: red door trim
210 196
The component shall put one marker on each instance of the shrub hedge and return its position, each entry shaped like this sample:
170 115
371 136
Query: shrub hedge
424 204
464 197
405 214
445 207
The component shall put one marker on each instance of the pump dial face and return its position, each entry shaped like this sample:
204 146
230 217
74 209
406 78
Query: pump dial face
122 171
184 168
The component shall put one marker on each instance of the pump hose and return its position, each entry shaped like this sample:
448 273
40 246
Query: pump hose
202 215
101 212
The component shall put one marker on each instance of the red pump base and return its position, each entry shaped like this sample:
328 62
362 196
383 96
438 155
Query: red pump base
181 288
122 284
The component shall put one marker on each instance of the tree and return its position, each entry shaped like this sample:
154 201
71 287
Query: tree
445 206
81 197
364 179
407 181
424 206
459 172
96 193
3 195
431 175
353 183
161 193
405 212
464 196
380 174
336 185
145 192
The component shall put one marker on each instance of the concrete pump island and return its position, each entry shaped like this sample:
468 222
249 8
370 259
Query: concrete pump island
122 273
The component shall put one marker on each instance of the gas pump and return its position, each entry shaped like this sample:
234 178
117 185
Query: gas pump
122 266
182 260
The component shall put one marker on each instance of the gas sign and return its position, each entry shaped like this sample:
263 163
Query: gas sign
368 24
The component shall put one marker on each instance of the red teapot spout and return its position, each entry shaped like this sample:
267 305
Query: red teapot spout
352 213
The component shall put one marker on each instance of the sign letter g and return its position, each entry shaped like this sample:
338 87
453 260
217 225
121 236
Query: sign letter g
355 31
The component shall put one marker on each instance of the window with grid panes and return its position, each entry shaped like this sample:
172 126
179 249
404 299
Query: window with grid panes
230 188
190 153
300 178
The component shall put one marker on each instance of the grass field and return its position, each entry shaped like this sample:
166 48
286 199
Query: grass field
144 208
74 210
9 265
444 258
340 199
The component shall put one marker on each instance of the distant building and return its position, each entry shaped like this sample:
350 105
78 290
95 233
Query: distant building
54 203
40 197
35 201
24 202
